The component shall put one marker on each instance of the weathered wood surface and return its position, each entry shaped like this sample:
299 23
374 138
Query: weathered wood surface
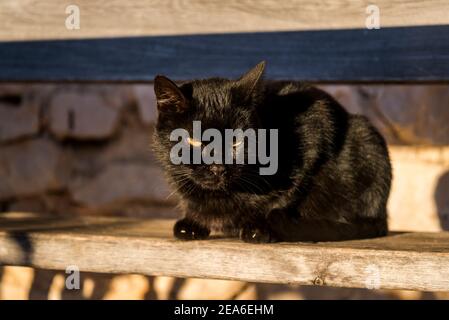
416 261
411 54
45 19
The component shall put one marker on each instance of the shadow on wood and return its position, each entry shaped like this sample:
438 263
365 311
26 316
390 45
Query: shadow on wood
442 200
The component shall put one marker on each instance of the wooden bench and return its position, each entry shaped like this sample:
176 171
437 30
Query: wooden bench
135 40
417 261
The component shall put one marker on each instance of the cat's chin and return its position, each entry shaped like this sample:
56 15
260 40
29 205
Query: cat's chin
211 186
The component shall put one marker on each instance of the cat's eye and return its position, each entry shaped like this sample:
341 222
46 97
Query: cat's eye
193 142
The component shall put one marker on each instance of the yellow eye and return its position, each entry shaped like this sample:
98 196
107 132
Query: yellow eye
237 143
193 142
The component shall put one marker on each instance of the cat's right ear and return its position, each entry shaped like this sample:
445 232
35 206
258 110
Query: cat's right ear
252 78
168 95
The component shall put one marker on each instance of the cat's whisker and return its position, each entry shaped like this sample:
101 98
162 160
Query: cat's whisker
258 188
248 186
258 176
183 182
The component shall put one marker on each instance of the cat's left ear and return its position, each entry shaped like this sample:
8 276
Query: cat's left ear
252 78
169 96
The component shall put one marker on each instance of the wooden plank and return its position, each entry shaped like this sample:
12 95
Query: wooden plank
415 261
45 19
418 54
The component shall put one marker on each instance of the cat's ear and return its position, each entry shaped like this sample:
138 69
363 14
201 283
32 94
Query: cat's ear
168 95
252 78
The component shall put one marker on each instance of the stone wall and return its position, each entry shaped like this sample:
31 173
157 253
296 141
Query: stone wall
79 150
86 149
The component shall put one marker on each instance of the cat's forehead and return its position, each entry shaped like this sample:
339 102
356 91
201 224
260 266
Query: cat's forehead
213 103
213 93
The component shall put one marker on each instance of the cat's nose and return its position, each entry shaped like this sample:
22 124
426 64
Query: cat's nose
216 169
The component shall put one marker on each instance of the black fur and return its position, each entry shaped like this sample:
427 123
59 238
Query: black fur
334 171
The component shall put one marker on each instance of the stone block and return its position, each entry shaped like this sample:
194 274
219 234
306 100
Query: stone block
31 167
146 103
18 118
121 183
82 116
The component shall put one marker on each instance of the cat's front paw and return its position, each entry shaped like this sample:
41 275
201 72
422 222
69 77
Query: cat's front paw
253 234
186 229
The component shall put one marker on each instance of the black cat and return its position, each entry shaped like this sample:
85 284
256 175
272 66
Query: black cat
333 177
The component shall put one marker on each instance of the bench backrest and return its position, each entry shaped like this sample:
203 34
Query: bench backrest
305 40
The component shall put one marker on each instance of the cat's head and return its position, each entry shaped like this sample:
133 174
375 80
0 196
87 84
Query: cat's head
217 103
